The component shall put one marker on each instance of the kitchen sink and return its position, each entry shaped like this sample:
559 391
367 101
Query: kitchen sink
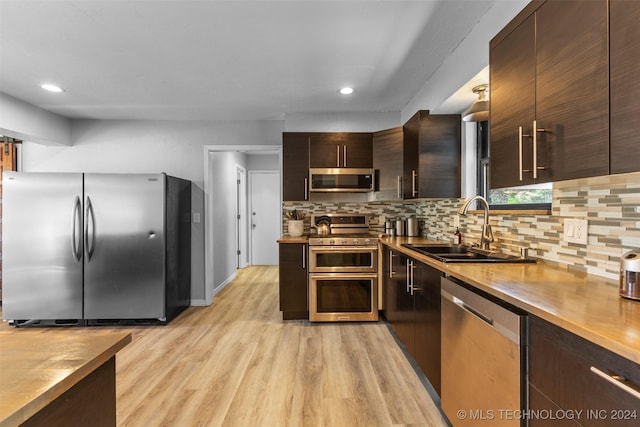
461 253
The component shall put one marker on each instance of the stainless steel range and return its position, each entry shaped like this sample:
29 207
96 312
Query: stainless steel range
343 269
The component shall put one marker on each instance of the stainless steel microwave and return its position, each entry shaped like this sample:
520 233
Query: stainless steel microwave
345 180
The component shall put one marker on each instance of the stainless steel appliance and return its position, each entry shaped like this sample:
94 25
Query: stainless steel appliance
630 275
341 180
343 266
95 248
478 332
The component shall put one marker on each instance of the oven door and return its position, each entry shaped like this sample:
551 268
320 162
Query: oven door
342 297
348 259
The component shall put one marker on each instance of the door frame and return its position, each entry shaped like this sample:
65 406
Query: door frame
209 253
242 212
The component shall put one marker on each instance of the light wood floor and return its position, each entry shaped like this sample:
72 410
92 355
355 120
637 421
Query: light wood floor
236 363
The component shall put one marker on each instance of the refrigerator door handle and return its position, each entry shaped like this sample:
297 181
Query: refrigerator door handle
76 228
89 219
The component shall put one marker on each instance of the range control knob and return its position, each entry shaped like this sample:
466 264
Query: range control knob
355 241
332 242
367 241
344 241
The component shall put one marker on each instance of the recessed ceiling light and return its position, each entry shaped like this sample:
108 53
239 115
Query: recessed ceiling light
51 88
346 90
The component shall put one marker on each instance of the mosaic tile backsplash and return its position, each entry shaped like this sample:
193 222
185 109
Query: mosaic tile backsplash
611 204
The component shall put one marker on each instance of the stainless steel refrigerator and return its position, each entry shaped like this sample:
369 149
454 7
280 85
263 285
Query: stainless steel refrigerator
95 248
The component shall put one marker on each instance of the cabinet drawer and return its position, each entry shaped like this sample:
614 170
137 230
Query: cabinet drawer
561 367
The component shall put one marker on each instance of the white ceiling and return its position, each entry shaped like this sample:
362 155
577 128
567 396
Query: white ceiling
226 60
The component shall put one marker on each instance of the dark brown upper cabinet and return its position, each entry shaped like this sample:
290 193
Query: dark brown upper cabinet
549 86
295 166
624 42
341 150
388 152
432 155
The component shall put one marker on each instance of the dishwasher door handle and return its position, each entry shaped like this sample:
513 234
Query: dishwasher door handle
460 303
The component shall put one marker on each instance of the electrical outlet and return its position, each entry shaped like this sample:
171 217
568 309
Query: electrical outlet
456 221
576 231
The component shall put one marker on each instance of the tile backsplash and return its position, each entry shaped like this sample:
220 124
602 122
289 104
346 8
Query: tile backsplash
611 204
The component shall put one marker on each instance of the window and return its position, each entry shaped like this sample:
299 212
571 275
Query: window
537 196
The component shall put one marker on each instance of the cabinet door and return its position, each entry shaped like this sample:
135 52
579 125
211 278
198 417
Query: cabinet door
561 369
389 279
411 139
625 85
357 150
572 89
387 161
293 281
295 166
341 149
439 147
427 322
512 86
404 326
325 150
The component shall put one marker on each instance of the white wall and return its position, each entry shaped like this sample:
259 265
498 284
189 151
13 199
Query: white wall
25 121
341 122
223 193
176 148
263 162
469 57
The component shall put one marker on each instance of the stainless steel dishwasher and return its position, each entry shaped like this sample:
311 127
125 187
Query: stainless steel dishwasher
483 360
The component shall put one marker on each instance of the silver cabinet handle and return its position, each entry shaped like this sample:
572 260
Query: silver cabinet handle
408 275
412 281
344 157
391 272
618 381
76 226
306 188
399 186
89 246
520 152
304 257
337 156
414 183
534 131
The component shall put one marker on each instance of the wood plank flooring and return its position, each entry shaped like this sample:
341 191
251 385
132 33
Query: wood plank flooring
236 363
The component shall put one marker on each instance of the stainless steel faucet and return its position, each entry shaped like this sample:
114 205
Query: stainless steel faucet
487 234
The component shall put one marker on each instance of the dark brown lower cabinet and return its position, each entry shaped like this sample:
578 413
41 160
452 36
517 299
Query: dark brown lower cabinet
567 377
412 308
293 281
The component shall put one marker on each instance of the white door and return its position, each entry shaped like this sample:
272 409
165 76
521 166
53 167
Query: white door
264 193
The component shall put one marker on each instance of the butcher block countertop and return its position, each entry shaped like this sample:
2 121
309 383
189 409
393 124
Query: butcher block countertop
36 368
289 239
586 305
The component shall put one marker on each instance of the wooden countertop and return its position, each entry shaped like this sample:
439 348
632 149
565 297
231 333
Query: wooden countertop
36 368
289 239
586 305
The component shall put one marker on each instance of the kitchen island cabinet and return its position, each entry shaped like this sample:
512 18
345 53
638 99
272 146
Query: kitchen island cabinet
293 270
59 379
550 94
